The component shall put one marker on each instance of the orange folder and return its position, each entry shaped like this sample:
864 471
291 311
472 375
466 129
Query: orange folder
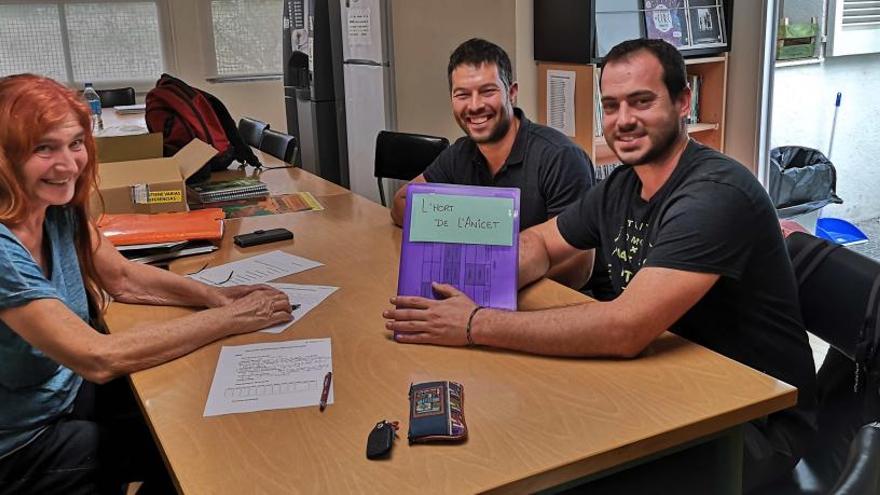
133 228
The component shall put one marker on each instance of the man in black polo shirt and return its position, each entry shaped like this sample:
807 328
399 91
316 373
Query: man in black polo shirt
693 246
503 148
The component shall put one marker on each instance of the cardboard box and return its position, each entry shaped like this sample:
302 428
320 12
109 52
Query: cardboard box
123 148
154 185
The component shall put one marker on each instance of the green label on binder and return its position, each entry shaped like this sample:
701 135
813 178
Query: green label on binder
461 219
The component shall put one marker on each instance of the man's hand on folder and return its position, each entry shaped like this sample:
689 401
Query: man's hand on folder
418 320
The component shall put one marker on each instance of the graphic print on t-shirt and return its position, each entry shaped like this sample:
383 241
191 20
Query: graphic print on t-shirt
629 249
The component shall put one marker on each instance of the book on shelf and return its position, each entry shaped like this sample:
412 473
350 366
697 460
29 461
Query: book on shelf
228 190
705 21
666 20
694 81
599 114
603 171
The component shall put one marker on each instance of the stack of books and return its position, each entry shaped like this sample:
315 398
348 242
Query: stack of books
162 237
128 229
164 252
228 190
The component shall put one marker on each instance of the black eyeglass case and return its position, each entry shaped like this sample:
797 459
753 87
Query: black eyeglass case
262 237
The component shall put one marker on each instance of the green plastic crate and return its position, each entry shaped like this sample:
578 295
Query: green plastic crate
789 52
796 40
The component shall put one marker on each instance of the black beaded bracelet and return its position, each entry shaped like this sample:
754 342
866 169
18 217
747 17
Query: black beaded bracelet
467 330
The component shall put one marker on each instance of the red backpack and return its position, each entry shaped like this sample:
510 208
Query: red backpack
182 113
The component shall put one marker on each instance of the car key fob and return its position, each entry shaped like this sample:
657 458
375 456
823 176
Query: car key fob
381 439
262 237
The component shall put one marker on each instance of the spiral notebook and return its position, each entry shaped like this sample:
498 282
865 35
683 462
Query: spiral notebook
465 236
229 190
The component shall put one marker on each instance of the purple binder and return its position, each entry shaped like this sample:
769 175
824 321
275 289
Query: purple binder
487 274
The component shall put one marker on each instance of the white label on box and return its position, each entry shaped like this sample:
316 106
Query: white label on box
140 194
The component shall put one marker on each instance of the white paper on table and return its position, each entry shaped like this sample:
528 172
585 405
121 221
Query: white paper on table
255 270
307 296
271 375
560 101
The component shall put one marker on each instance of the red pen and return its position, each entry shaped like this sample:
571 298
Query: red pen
325 391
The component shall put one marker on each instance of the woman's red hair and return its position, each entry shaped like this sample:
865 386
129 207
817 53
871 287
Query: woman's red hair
30 107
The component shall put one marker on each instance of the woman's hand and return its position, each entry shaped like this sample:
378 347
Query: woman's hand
262 307
221 296
418 320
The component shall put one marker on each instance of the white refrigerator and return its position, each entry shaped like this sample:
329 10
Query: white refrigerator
369 86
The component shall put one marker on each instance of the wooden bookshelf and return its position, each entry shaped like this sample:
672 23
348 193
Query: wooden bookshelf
708 130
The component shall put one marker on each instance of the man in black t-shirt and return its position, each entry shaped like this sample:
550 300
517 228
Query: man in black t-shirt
505 149
693 246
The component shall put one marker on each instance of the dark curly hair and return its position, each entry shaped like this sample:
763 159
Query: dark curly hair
476 52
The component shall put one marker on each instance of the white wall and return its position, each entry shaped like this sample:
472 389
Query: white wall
425 34
803 111
262 100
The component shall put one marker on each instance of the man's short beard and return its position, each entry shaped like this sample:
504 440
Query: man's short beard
498 132
663 146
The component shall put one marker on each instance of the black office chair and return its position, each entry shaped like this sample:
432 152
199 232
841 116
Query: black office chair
280 145
115 97
403 156
839 293
251 131
861 473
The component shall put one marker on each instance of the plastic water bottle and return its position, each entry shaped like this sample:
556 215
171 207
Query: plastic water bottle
94 102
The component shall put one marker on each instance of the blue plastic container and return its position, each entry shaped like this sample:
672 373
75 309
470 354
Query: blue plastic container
839 231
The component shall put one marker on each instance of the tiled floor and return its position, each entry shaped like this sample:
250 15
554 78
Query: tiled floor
871 249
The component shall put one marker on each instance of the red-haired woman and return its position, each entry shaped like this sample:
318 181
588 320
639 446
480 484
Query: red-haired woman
60 433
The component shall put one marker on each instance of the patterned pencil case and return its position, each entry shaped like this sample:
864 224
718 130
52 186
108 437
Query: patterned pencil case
436 412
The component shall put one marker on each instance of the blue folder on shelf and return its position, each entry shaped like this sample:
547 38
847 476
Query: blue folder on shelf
465 236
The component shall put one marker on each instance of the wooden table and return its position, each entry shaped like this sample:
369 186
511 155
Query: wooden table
283 180
535 422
